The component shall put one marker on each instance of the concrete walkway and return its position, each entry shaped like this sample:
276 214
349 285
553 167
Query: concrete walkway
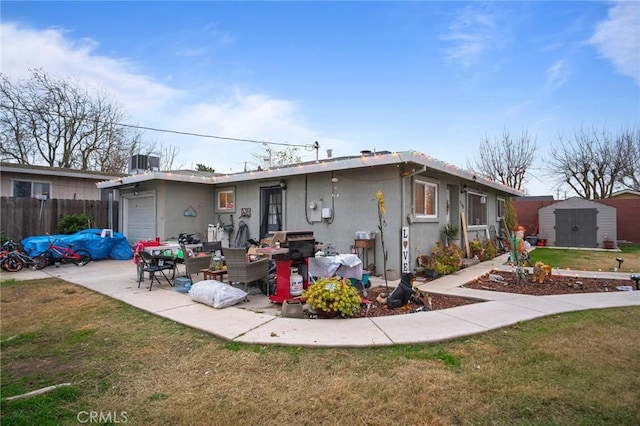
256 321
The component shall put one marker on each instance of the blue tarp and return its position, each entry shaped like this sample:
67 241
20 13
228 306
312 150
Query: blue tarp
116 247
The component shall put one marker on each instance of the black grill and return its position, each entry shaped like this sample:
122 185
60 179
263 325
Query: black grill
301 244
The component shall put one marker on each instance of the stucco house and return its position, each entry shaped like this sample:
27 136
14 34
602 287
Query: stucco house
34 198
333 197
43 182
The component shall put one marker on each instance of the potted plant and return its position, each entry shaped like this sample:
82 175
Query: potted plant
332 297
450 232
608 244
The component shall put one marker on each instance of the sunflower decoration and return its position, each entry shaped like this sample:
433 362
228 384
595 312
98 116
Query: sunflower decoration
380 198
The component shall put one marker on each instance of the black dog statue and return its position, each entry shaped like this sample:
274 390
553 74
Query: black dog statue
401 295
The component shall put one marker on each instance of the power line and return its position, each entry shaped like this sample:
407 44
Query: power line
201 135
176 132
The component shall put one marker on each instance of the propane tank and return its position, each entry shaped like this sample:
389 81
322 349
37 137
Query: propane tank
295 283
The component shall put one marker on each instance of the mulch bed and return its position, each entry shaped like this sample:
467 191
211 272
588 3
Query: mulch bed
430 302
506 282
564 283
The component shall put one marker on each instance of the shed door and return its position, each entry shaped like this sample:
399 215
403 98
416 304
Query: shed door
576 227
139 218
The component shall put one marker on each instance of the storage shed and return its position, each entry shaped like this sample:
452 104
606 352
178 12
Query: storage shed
577 222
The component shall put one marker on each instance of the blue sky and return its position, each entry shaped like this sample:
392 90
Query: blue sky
436 77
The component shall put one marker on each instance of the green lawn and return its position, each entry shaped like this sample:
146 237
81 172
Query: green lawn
575 368
590 260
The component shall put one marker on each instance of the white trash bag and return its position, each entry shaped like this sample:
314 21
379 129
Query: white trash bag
217 294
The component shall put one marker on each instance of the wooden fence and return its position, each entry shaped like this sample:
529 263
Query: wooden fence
26 217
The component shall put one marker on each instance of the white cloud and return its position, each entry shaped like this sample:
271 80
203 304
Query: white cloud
244 116
557 74
25 49
618 38
153 104
471 34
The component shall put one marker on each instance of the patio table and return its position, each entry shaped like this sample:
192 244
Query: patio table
216 274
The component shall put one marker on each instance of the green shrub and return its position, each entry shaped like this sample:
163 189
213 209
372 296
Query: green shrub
510 217
445 259
483 250
476 248
72 223
490 249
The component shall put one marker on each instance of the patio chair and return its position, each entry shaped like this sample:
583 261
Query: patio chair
150 264
211 246
193 265
241 271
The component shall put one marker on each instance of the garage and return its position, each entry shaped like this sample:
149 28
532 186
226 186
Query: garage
577 222
139 218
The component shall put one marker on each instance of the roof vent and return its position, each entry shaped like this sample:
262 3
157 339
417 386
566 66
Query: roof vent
366 153
329 153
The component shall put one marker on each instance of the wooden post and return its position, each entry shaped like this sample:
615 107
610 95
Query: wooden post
465 235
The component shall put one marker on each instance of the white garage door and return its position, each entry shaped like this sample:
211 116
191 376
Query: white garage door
140 218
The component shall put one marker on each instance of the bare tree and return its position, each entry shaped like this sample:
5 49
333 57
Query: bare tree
289 155
630 144
505 160
594 163
54 121
13 126
167 153
113 156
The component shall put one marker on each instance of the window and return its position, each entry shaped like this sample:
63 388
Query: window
477 209
501 208
22 188
226 200
425 199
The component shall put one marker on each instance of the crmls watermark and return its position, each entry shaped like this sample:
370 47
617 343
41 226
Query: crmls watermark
102 417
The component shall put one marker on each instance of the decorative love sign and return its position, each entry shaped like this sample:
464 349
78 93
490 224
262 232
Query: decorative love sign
406 264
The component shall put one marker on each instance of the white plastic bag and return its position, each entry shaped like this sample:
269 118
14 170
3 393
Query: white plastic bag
217 294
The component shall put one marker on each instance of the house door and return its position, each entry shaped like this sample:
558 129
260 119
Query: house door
576 227
139 221
270 210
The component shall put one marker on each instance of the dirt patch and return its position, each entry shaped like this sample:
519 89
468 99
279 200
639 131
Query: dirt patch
506 282
34 369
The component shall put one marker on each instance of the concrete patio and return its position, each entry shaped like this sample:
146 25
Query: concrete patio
257 320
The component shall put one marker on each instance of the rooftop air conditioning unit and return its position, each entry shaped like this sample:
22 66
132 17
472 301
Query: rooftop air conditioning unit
153 163
139 163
